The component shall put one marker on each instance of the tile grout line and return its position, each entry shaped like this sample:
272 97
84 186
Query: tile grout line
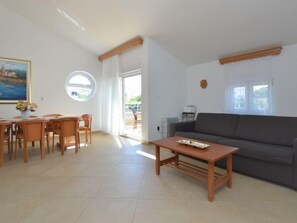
82 211
138 197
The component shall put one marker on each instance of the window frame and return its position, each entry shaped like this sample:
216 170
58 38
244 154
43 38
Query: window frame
92 86
249 107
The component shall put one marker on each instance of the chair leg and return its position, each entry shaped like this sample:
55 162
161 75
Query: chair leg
62 145
78 139
15 148
90 136
47 142
9 147
25 151
53 142
76 142
42 148
87 136
134 125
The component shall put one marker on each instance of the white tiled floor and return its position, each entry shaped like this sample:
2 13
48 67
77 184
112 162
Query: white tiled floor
109 181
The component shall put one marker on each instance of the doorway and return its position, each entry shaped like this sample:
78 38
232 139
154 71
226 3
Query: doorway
132 104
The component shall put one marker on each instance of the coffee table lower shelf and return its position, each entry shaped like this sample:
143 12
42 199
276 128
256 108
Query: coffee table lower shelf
197 172
214 180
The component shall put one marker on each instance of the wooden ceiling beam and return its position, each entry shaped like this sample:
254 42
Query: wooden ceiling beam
247 56
137 41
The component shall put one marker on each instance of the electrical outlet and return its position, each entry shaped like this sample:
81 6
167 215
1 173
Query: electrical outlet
158 128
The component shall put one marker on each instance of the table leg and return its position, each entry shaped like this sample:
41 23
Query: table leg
9 142
1 146
157 160
176 159
229 170
211 181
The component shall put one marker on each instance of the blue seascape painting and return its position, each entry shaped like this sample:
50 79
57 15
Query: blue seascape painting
13 80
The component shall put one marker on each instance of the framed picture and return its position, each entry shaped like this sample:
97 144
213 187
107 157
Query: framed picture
15 80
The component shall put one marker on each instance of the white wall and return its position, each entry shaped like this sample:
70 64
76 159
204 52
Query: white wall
134 59
166 87
163 85
285 82
212 98
53 58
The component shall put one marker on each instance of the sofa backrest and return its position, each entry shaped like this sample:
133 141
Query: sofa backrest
277 130
216 124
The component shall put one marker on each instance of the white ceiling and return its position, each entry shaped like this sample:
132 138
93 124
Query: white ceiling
194 31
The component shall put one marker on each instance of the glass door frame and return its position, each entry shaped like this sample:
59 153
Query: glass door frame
128 74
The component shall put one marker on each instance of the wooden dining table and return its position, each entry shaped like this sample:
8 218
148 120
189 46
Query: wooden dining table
4 125
10 122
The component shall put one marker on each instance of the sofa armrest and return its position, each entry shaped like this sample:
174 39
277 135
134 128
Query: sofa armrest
180 126
295 163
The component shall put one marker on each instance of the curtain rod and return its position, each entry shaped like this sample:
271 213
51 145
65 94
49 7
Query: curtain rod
252 55
137 41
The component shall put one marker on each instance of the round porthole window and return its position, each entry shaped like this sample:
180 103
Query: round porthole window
80 86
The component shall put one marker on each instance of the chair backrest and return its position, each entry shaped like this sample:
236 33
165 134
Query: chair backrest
68 126
87 118
138 114
4 129
33 130
52 115
52 126
31 116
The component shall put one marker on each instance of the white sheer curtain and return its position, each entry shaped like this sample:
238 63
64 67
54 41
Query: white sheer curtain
111 97
249 86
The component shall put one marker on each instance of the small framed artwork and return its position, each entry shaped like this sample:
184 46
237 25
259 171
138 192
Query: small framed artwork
15 80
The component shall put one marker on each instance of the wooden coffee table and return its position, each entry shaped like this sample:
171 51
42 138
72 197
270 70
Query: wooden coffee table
212 154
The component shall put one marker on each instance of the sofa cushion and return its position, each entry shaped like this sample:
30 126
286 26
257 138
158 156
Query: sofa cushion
261 151
216 124
267 129
199 136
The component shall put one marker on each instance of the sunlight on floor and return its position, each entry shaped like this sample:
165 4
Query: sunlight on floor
124 142
146 154
80 146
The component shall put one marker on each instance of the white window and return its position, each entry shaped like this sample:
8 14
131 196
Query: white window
252 98
249 87
239 98
80 86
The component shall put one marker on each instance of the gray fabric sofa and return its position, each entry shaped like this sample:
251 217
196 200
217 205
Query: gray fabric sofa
268 144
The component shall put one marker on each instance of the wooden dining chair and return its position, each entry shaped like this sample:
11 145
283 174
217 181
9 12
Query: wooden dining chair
86 127
31 130
13 131
51 128
68 129
5 136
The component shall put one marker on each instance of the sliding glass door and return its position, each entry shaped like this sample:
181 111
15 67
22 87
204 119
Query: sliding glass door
132 104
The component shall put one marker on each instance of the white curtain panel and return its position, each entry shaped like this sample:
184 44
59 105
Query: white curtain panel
247 74
111 97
